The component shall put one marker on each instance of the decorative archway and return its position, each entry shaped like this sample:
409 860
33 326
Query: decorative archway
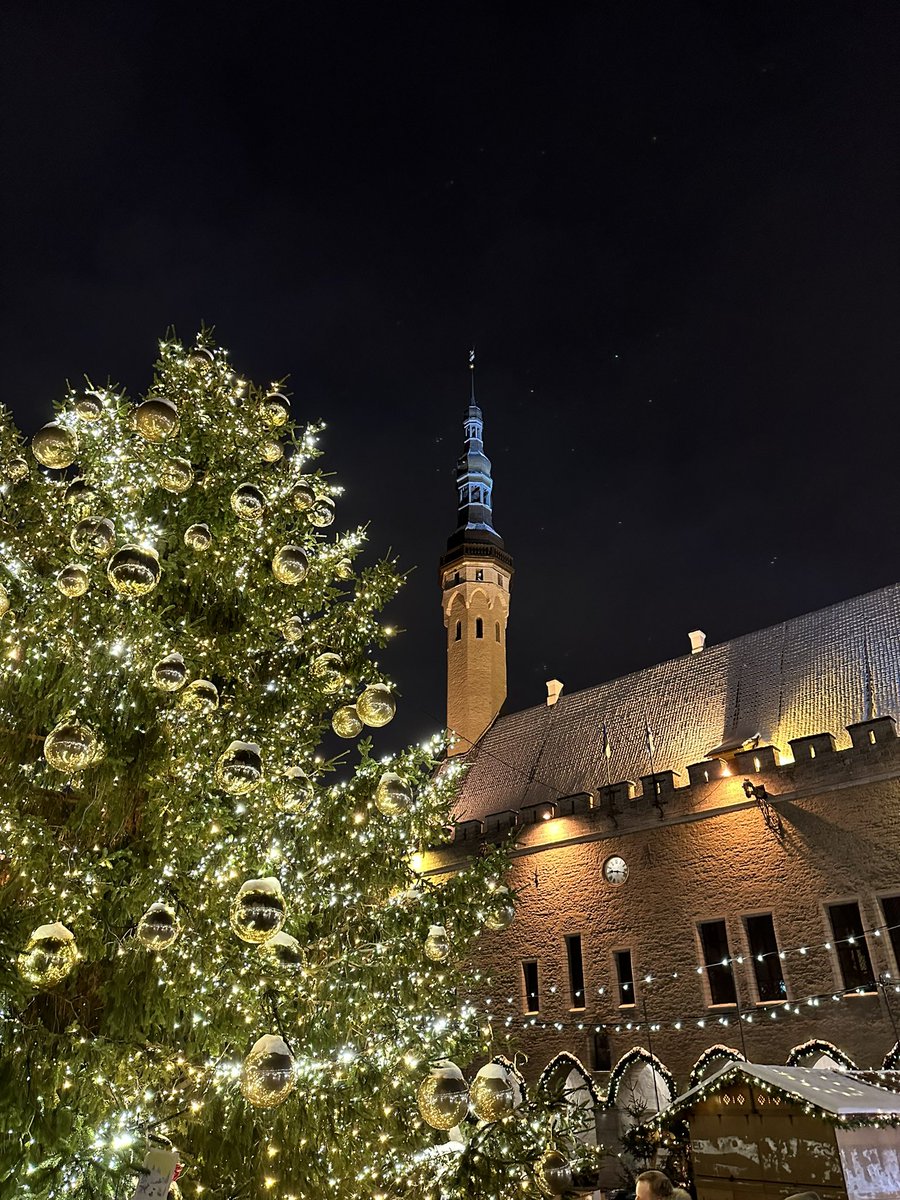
566 1075
710 1060
892 1058
640 1083
819 1053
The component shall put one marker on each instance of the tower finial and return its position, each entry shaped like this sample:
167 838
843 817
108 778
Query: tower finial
472 371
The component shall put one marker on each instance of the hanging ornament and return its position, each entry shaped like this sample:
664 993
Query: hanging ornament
293 791
73 580
290 565
376 706
303 497
268 1075
282 950
248 502
259 910
201 697
392 795
4 601
159 927
502 914
16 470
346 722
437 944
239 769
292 629
96 535
322 512
327 669
88 406
49 955
275 410
170 673
271 451
55 446
156 419
133 570
443 1097
175 474
174 1192
198 537
81 497
554 1172
72 747
343 569
201 360
494 1093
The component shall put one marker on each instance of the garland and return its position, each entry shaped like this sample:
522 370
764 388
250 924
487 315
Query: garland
820 1046
710 1055
562 1064
637 1054
892 1058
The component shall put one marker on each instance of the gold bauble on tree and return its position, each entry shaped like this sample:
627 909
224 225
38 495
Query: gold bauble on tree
258 910
16 470
133 570
443 1097
55 446
268 1075
322 512
292 629
88 406
170 673
392 795
248 502
71 747
346 722
327 668
198 537
73 580
290 565
437 944
303 497
282 950
376 706
494 1093
502 911
201 697
159 927
271 451
94 535
81 497
175 475
553 1172
293 791
4 601
275 410
156 419
239 768
343 569
49 956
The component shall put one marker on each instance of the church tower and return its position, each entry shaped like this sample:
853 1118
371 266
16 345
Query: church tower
475 576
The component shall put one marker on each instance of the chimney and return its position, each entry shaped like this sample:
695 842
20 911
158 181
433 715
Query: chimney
554 691
698 640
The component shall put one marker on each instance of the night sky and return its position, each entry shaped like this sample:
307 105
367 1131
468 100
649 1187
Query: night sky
672 230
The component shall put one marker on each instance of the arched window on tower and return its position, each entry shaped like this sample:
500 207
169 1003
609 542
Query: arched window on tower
479 627
497 631
458 630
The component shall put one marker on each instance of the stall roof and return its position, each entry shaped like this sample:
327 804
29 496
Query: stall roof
834 1092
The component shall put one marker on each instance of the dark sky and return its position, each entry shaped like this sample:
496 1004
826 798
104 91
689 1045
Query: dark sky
672 229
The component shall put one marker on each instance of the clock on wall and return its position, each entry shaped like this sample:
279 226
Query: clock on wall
615 870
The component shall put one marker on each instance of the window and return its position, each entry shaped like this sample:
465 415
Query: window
717 960
479 627
458 630
624 976
530 980
499 579
890 906
456 576
576 970
479 575
766 962
850 946
497 632
601 1052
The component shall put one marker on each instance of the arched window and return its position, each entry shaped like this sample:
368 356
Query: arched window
497 631
479 627
458 630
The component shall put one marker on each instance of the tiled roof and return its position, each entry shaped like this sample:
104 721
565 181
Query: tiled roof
812 674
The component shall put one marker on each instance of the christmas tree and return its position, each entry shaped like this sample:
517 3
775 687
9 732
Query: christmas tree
217 950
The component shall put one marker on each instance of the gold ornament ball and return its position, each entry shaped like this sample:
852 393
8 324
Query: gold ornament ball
344 569
72 746
554 1172
159 927
95 535
493 1093
503 912
55 446
156 419
16 470
174 1192
88 406
80 497
175 475
73 580
49 955
201 697
133 571
198 537
239 768
258 910
437 944
346 722
303 497
376 706
282 950
326 668
322 512
248 502
201 360
294 791
443 1097
271 451
292 629
275 410
290 565
4 601
392 795
170 673
268 1076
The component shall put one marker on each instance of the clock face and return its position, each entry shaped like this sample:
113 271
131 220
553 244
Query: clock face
615 870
